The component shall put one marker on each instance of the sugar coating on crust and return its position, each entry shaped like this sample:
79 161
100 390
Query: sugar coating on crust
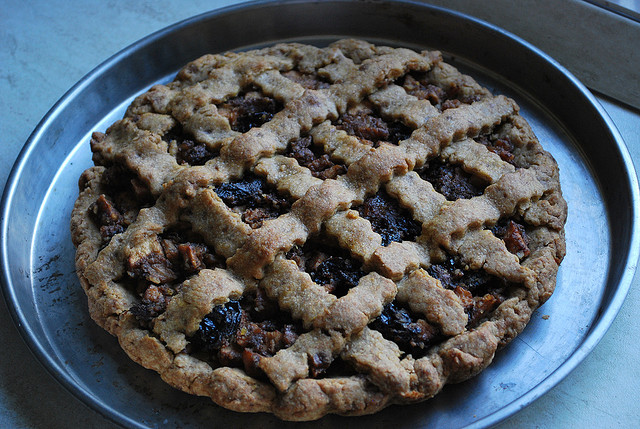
304 231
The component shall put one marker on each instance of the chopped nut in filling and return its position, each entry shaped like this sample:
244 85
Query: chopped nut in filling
193 153
240 333
503 147
371 129
170 260
188 151
440 97
153 303
113 212
480 292
514 236
107 218
310 156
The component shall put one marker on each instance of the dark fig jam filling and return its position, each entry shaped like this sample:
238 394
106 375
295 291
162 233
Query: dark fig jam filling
240 333
176 256
422 88
112 214
371 129
107 218
451 180
480 292
307 80
193 153
503 147
152 304
173 257
328 265
187 253
125 185
249 110
311 156
411 333
254 199
188 150
514 236
336 368
392 222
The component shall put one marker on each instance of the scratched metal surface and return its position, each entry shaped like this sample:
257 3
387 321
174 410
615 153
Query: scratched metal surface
47 303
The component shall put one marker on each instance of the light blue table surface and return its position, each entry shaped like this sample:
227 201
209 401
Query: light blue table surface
47 46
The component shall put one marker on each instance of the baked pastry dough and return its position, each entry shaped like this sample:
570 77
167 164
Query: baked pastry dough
303 230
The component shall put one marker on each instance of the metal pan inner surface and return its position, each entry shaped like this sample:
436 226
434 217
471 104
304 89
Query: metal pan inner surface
597 179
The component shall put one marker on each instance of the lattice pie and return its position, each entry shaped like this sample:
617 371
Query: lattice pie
305 231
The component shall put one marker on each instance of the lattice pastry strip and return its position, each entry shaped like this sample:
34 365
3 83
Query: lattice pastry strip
419 194
209 127
366 78
385 162
287 175
355 233
397 259
395 103
245 151
466 88
140 151
477 160
338 143
440 306
339 318
303 230
216 223
498 199
456 124
371 353
360 50
195 299
274 84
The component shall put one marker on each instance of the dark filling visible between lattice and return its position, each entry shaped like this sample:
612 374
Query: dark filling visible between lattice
503 147
411 333
188 150
442 98
254 199
451 180
514 236
388 219
249 110
112 214
480 292
311 156
119 180
169 261
371 129
153 302
328 265
107 218
240 333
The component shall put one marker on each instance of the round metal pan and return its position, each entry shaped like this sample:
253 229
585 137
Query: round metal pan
597 177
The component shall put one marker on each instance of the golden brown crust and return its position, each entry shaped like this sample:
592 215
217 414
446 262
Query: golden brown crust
172 181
